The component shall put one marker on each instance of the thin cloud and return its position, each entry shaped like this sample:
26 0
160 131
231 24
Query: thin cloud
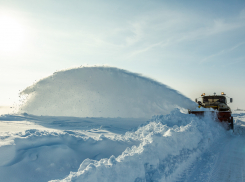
140 51
222 52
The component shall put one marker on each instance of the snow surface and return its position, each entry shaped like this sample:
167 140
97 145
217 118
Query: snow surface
101 92
168 143
173 147
169 147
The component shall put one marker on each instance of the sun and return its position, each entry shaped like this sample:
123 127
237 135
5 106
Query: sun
12 34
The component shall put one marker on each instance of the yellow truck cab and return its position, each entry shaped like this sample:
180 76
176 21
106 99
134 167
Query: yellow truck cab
217 102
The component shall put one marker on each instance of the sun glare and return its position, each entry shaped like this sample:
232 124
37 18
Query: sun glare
11 34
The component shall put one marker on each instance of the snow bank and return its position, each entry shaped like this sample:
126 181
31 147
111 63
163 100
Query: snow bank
42 155
169 144
160 149
101 92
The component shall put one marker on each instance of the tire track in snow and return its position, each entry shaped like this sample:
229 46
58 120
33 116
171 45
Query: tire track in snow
203 166
230 166
222 162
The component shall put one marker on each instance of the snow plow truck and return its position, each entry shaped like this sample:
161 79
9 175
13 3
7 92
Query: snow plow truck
219 106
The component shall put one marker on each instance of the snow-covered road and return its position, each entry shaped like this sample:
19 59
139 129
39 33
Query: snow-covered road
229 165
223 161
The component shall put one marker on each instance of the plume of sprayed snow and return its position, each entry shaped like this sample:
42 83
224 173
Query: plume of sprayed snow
101 92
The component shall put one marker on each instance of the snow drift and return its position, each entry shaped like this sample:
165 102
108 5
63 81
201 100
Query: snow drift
169 144
101 92
41 155
158 150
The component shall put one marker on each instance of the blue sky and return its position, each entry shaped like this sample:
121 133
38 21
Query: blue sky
191 46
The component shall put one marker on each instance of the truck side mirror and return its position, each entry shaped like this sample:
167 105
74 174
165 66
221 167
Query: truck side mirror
195 100
231 100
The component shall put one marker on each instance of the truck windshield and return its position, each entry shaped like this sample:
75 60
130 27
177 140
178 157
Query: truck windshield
213 99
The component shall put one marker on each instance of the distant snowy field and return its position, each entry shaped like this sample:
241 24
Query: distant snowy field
6 110
38 146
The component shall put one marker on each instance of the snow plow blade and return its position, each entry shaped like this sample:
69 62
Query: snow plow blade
222 116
